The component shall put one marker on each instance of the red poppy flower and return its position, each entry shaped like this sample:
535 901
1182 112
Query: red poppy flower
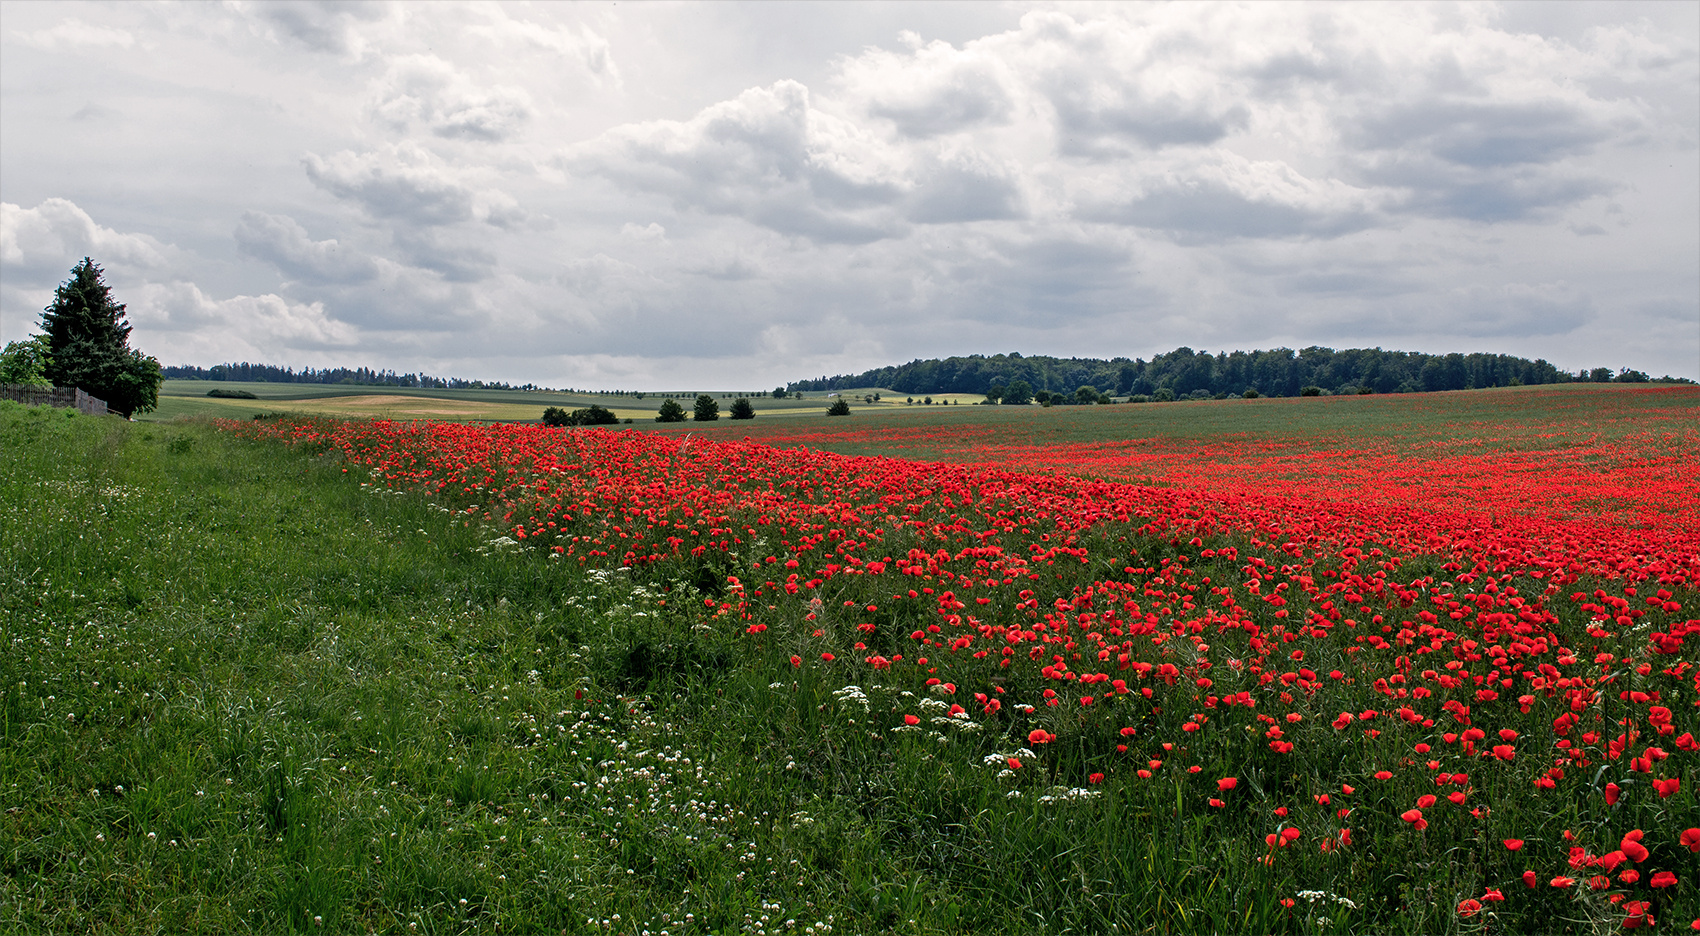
1040 736
911 720
1662 879
1668 787
1513 844
1613 791
1691 839
1530 879
1227 783
1469 907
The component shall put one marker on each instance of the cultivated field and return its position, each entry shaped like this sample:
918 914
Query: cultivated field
180 398
1320 665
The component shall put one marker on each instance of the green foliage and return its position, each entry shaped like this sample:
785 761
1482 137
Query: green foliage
1310 391
670 412
25 362
1250 394
707 410
1275 372
839 407
741 409
1163 395
89 345
779 393
1086 394
1019 393
593 415
223 394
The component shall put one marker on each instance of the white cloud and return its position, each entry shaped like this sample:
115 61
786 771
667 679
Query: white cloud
578 42
74 33
177 322
279 240
402 182
332 26
425 90
765 156
49 239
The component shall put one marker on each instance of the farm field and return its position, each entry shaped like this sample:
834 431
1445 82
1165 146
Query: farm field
181 398
1390 664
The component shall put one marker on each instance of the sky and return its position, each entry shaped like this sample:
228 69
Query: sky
625 195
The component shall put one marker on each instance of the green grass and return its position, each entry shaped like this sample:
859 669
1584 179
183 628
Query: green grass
1520 418
245 692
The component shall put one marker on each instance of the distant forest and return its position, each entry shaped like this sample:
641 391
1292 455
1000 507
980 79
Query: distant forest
268 373
1186 373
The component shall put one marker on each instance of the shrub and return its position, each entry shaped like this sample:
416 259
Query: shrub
1310 391
25 363
1163 395
1250 394
741 409
223 394
839 407
671 411
593 416
707 410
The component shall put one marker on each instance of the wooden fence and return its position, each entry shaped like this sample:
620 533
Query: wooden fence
54 396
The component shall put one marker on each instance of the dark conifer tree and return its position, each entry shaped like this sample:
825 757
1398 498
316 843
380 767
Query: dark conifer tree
89 345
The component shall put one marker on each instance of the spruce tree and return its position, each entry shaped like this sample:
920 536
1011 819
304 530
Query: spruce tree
89 345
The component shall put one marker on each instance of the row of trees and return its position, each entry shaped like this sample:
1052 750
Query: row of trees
85 343
1184 372
363 376
707 409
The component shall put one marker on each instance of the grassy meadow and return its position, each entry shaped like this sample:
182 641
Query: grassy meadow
250 689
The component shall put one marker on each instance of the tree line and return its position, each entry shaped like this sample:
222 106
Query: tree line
363 376
1188 373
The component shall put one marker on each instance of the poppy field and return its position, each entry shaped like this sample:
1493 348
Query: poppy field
1383 681
1324 692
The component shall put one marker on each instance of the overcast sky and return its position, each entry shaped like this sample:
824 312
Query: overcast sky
630 195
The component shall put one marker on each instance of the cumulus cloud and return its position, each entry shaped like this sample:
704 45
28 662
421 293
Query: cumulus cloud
766 156
430 92
47 240
403 182
280 241
935 89
179 322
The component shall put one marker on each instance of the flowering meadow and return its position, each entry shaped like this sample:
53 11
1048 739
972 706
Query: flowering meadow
1327 712
1320 666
